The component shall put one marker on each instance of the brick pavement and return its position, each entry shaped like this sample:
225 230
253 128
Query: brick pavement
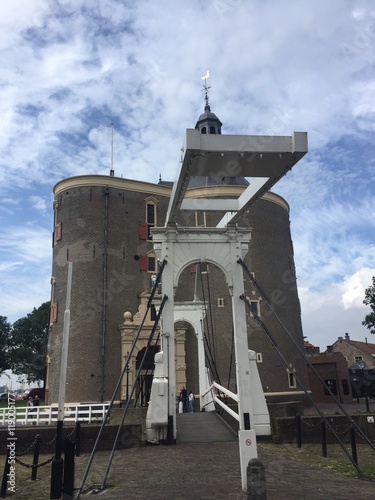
212 470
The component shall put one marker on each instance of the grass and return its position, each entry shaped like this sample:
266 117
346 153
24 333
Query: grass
336 460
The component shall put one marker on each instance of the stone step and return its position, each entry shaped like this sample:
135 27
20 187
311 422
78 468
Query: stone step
203 427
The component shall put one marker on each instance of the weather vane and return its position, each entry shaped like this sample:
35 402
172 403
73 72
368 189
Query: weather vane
205 88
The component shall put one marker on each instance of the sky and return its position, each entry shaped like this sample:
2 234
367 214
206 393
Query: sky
71 68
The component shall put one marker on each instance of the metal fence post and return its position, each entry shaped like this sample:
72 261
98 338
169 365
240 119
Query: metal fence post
78 438
324 439
353 444
34 469
299 430
68 483
4 483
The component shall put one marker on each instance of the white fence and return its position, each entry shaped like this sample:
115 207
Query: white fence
45 415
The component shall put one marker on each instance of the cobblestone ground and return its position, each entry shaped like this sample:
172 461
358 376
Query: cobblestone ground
199 471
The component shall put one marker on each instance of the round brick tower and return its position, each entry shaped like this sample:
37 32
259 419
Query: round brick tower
102 224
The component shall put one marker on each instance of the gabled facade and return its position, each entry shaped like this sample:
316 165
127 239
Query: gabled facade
355 352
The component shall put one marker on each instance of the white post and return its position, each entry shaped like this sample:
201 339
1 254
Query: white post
65 346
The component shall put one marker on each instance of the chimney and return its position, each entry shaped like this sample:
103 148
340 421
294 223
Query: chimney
329 349
347 338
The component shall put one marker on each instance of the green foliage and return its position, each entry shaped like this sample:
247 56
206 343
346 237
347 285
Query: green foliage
28 344
5 328
369 300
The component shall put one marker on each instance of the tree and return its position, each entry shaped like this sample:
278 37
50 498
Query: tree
369 300
28 344
5 328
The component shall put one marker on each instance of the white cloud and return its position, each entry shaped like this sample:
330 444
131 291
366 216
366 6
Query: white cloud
69 71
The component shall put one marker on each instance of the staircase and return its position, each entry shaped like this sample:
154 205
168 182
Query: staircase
203 427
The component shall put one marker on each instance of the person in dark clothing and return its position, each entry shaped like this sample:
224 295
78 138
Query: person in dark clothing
184 399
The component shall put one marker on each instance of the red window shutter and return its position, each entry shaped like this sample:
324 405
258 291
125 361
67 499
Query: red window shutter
58 232
54 310
143 262
142 231
193 268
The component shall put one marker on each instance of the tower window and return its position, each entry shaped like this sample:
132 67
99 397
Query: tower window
212 130
220 302
291 379
57 235
203 130
254 306
148 263
151 216
200 218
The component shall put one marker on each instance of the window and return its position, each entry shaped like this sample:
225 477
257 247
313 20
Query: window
53 314
254 306
220 302
291 379
358 359
151 218
345 386
57 235
259 357
212 129
200 218
203 268
148 263
332 386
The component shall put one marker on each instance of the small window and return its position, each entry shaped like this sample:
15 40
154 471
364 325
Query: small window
212 130
200 218
259 357
254 306
151 264
203 268
345 387
151 216
57 235
291 379
358 359
332 386
203 130
220 302
53 314
148 263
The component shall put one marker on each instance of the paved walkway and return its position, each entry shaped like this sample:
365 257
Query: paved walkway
212 470
203 471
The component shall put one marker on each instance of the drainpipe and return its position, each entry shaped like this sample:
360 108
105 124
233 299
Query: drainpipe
104 305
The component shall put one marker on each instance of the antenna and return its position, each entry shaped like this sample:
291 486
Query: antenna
112 172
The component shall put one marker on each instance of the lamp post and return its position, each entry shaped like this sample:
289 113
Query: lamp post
362 366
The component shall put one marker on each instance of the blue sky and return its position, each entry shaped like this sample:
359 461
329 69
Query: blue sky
71 68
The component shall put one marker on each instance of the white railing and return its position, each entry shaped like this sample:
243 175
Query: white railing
217 400
45 415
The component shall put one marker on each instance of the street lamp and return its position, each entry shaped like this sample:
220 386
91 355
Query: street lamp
362 366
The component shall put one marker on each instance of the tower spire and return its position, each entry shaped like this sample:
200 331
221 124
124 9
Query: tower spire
208 122
207 108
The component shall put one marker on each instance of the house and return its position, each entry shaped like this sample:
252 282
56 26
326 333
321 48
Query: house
332 368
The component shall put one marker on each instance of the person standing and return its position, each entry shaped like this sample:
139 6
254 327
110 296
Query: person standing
30 405
191 401
184 399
